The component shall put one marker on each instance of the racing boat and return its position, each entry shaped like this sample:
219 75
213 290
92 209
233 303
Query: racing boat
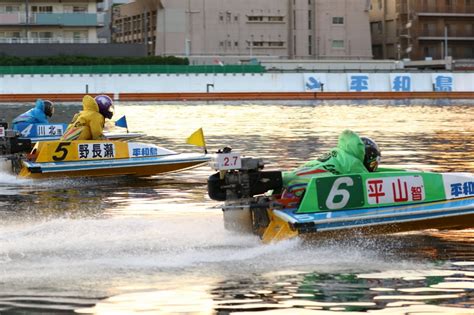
385 201
88 158
49 132
103 158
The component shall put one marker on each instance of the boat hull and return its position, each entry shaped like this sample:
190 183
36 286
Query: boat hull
458 222
131 166
455 214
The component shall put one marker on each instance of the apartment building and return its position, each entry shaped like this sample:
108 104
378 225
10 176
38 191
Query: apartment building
295 29
41 21
422 29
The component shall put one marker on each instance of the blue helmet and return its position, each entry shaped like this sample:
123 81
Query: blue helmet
106 106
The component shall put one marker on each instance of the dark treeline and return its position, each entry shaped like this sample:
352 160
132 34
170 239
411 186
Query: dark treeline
90 61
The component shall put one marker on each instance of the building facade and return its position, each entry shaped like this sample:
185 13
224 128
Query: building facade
105 7
424 29
295 29
41 21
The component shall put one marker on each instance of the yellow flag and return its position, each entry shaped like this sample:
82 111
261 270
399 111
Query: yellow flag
197 138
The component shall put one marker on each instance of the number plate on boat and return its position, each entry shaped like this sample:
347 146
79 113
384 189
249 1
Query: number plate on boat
49 130
2 132
226 161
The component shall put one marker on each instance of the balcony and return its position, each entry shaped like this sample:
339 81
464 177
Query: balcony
451 34
44 40
53 19
442 10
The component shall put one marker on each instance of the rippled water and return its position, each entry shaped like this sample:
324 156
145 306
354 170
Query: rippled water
158 245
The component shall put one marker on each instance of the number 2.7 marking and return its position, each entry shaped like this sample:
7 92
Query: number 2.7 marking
227 161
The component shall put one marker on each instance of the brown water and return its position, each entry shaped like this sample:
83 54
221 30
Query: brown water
157 245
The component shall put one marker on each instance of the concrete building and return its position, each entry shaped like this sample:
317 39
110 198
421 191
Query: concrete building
294 29
422 29
56 21
104 33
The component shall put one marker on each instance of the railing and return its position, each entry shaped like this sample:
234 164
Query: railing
442 8
45 40
451 34
130 69
68 19
63 19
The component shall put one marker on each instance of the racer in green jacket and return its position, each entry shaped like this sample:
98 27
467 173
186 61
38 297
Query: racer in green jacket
353 154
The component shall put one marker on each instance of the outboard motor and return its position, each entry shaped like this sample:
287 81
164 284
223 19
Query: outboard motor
10 141
236 183
246 181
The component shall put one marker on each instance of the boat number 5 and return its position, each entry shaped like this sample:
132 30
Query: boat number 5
62 150
336 191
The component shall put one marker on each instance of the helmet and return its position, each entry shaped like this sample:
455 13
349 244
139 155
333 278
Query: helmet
48 108
106 106
372 154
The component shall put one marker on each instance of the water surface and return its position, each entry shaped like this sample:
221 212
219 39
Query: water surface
157 244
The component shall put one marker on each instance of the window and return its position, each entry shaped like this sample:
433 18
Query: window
310 45
294 45
373 27
42 34
42 37
10 9
310 19
78 37
451 29
42 9
236 44
255 18
468 52
429 51
294 20
275 18
338 20
429 29
337 44
275 44
468 28
79 9
221 17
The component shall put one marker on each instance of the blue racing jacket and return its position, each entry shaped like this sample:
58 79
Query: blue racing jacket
35 115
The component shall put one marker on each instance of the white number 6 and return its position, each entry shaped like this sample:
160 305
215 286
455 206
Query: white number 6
335 191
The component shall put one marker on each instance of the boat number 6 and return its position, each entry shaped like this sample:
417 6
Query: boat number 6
336 191
61 149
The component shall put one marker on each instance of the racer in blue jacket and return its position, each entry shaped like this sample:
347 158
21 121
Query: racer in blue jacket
37 115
